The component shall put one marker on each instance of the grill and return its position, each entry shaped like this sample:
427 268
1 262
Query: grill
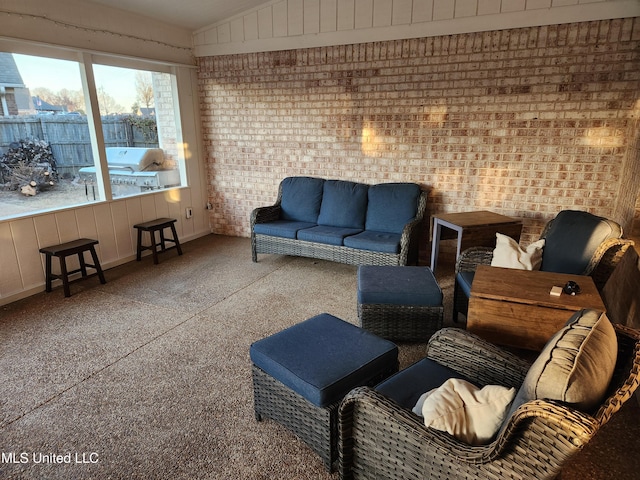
140 168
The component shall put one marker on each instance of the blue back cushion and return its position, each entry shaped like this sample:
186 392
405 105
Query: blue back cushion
391 206
301 199
573 238
344 204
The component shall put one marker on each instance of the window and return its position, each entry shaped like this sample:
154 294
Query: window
51 155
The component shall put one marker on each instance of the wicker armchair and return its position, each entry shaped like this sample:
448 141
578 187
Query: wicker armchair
599 266
381 440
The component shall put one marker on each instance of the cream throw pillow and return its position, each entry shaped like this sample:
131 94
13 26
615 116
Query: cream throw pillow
508 254
472 415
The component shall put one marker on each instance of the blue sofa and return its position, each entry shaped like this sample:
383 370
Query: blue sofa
341 221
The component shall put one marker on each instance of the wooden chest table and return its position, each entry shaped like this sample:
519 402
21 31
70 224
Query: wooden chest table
515 308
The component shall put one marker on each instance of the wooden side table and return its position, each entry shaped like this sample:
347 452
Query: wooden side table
515 308
473 229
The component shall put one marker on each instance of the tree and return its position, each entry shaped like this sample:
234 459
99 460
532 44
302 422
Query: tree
72 100
144 89
107 103
44 94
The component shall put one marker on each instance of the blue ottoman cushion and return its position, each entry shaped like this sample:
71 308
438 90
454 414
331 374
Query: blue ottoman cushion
398 285
324 357
406 386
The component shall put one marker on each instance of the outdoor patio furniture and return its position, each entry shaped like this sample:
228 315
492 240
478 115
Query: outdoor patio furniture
561 404
399 303
301 374
341 221
576 242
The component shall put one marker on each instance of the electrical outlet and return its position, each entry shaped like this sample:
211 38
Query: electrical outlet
189 212
209 206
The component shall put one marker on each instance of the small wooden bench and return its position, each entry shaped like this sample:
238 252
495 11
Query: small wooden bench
152 227
62 251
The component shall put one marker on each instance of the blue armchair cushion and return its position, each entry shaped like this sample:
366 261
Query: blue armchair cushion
325 234
281 228
344 204
398 285
301 199
375 241
406 386
464 280
391 206
572 239
324 357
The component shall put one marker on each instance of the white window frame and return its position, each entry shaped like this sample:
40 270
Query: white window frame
87 60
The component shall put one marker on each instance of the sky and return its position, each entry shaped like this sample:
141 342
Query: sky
58 74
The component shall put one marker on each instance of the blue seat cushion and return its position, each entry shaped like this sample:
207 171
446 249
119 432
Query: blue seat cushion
406 386
398 285
572 239
281 228
325 234
301 199
464 280
375 241
344 204
324 357
391 206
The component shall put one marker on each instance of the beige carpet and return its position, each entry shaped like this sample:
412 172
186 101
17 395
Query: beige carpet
148 376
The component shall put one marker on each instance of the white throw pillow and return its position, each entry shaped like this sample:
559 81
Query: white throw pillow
472 415
508 254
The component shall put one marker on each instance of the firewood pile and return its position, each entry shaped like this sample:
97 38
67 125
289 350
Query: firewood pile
28 166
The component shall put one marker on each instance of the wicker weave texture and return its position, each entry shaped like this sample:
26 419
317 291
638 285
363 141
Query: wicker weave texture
322 251
401 323
381 440
409 243
314 425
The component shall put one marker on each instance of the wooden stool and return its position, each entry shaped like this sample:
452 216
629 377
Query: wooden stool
157 226
62 251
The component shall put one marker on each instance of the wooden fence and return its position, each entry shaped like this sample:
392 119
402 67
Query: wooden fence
69 136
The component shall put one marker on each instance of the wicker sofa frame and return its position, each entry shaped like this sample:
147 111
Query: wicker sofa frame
379 439
409 243
600 267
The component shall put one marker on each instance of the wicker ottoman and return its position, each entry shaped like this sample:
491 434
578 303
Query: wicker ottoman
399 303
301 374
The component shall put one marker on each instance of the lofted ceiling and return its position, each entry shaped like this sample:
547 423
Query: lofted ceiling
189 14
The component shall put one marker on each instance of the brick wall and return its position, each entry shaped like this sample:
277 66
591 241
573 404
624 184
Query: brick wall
524 122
